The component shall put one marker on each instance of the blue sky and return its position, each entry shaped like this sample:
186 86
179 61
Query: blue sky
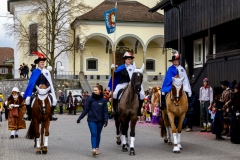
4 41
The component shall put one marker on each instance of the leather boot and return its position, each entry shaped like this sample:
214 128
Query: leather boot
163 102
53 118
140 107
115 105
28 117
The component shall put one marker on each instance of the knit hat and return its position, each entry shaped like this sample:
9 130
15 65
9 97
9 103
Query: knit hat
205 80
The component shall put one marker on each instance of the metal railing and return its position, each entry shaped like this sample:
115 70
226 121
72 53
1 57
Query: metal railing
66 75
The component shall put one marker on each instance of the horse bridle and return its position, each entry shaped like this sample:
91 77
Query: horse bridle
175 99
134 85
43 107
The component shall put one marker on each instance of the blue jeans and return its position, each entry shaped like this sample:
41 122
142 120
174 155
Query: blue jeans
95 129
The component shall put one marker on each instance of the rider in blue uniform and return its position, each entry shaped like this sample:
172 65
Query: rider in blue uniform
39 76
172 71
122 77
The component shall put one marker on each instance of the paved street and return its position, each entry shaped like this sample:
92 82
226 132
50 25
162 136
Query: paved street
69 140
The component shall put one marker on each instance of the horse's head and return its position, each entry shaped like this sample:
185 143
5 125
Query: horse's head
177 89
137 78
42 95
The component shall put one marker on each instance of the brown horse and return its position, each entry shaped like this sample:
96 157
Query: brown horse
176 106
128 109
41 114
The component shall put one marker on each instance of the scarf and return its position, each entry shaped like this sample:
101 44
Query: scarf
97 96
206 86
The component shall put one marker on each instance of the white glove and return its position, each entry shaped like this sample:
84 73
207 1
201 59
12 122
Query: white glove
189 94
113 65
237 114
163 93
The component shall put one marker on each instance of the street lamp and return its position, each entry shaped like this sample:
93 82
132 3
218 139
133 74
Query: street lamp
61 68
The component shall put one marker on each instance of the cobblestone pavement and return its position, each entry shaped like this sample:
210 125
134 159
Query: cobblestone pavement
71 141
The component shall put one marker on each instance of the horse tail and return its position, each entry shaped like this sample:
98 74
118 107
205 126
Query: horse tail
30 133
163 129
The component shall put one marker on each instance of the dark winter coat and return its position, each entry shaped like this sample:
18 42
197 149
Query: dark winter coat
97 110
234 107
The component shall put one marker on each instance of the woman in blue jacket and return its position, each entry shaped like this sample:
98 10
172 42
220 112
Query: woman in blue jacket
97 110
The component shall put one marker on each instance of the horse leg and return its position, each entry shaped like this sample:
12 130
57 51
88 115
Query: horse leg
181 119
127 144
123 137
42 131
174 131
37 135
117 125
132 135
46 127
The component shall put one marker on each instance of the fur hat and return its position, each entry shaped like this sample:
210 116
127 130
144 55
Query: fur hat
41 57
127 55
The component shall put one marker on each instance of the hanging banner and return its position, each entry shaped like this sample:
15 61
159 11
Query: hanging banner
110 20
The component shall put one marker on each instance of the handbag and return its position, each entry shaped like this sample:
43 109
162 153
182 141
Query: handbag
14 112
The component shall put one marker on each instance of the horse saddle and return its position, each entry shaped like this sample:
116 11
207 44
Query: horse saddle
120 92
33 97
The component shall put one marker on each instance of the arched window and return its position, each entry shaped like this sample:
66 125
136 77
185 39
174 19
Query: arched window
150 65
92 64
33 39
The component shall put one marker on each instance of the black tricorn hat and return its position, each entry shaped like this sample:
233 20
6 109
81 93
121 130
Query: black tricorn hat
225 83
175 57
41 57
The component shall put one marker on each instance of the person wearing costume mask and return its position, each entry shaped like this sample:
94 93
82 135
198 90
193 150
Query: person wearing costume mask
39 76
175 69
122 77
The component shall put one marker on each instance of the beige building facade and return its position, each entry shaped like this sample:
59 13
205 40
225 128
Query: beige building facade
138 31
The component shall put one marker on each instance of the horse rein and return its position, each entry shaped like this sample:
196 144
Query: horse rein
43 107
133 86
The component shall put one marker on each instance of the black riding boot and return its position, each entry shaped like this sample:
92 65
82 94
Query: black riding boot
28 117
115 105
53 118
140 107
163 102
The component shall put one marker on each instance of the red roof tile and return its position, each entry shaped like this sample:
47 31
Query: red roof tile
132 11
6 54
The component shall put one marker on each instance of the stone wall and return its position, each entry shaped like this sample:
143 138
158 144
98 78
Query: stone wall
7 85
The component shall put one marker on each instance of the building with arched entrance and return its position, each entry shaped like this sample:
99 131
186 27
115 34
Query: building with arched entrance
137 31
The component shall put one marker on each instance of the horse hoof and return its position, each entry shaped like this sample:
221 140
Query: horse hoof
38 152
124 148
165 140
44 150
170 143
132 152
118 143
176 151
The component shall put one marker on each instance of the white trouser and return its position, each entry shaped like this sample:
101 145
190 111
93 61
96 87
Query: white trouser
121 86
54 103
